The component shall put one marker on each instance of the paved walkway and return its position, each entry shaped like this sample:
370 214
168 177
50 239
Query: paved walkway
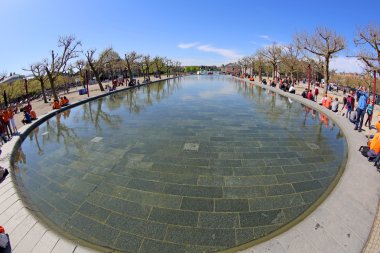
340 224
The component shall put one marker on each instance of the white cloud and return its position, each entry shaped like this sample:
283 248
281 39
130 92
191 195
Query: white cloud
228 53
346 64
187 45
265 37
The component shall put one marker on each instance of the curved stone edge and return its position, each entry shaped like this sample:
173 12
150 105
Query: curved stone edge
343 221
28 232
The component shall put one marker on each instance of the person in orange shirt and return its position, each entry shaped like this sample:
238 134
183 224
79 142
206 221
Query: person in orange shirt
328 103
56 105
7 122
33 115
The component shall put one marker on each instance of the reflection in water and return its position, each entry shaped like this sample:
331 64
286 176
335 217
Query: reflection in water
129 161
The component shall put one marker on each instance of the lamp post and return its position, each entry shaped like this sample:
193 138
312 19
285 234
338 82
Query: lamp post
26 86
374 88
308 77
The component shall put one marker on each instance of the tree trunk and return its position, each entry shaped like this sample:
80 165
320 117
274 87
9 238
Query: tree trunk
51 80
97 77
43 90
327 76
260 74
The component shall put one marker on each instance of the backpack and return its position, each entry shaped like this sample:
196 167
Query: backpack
364 150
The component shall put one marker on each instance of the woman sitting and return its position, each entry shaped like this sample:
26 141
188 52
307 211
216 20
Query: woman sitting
27 118
56 105
33 115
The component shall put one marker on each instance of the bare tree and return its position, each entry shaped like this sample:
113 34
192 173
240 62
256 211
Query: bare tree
80 66
324 43
131 61
159 64
272 54
146 62
168 65
58 63
290 58
38 71
259 64
94 66
368 39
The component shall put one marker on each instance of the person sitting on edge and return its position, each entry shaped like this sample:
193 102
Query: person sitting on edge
56 104
28 107
328 103
27 118
33 115
304 93
323 101
374 144
310 95
353 116
292 90
64 101
335 105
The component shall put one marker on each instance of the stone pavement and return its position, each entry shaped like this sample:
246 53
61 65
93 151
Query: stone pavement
340 224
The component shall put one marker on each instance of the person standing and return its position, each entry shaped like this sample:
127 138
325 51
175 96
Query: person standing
361 109
12 119
369 112
316 92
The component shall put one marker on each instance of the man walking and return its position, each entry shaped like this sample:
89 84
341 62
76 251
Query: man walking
362 96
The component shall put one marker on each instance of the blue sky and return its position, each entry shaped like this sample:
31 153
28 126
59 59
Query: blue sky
193 32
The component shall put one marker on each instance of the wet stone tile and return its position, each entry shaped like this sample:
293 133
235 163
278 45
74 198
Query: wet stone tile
243 192
138 227
128 242
315 159
154 199
275 202
294 177
145 185
211 180
281 161
231 205
175 217
94 212
251 180
260 218
99 231
307 186
218 220
312 196
299 168
149 246
244 235
199 236
194 191
197 204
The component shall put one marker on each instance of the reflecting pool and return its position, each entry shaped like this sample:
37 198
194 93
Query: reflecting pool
187 165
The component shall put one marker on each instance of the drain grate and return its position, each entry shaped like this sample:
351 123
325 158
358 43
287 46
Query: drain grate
97 139
191 146
312 145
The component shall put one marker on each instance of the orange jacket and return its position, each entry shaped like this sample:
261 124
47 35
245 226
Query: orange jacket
375 143
56 105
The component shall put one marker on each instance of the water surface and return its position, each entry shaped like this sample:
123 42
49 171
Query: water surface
187 165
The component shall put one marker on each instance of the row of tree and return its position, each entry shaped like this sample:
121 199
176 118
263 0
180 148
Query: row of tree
108 65
315 50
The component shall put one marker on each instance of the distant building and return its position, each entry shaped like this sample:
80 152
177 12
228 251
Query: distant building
231 68
12 78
